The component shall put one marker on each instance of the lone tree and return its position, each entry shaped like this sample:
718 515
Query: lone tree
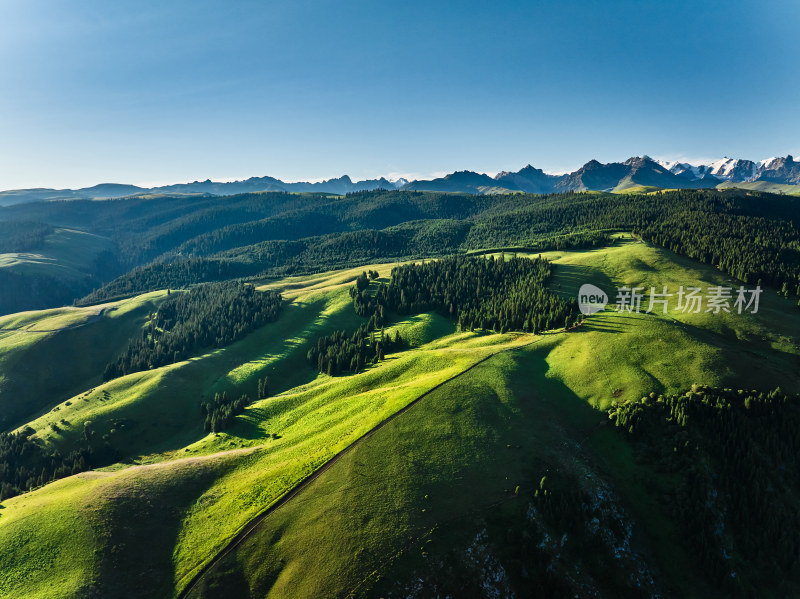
263 388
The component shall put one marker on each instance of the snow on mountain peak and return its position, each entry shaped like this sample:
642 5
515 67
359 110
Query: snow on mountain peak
767 164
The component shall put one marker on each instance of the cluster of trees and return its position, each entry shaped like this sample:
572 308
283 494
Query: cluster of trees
25 463
752 249
263 388
572 241
491 294
220 411
178 242
209 315
181 273
732 478
340 352
22 236
496 295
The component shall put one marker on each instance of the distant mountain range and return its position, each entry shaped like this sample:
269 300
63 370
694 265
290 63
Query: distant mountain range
641 172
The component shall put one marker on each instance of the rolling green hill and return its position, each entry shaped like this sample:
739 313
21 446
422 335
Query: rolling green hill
444 482
126 247
66 264
763 186
49 356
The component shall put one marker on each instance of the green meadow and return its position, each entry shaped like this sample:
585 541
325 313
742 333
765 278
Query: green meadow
494 414
66 254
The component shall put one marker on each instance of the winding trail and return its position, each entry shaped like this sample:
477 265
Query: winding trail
248 528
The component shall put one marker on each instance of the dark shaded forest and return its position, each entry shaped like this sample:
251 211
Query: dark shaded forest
319 233
729 477
25 462
493 295
22 236
206 316
220 411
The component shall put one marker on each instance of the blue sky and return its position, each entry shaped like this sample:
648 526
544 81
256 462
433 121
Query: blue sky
154 92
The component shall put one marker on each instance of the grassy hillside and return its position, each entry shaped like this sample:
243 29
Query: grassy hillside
451 479
439 479
66 254
48 356
67 264
634 354
763 186
285 437
433 479
174 242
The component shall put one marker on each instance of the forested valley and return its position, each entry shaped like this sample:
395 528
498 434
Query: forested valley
180 241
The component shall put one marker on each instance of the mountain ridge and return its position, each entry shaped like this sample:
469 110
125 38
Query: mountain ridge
635 172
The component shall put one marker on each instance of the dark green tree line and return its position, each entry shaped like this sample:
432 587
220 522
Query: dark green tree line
730 479
210 315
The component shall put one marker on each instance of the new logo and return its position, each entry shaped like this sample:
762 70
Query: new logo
591 299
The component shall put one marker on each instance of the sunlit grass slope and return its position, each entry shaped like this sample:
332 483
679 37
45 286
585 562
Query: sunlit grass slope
292 433
437 476
459 464
763 186
149 529
618 356
159 409
48 356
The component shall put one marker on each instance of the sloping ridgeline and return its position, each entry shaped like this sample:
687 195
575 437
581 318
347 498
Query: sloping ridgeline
495 295
369 227
209 315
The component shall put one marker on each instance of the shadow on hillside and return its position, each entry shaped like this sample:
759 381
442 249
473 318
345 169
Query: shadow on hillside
249 425
754 363
503 449
568 278
601 324
140 526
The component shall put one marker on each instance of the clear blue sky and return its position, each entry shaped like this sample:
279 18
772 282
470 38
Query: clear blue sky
155 92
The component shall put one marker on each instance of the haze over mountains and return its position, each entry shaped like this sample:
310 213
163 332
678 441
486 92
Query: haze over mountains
635 173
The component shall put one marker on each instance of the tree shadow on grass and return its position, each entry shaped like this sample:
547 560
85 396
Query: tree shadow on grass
568 278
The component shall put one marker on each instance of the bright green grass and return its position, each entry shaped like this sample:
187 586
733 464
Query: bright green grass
312 423
627 186
41 369
763 186
364 509
619 356
84 521
612 357
161 407
153 405
426 484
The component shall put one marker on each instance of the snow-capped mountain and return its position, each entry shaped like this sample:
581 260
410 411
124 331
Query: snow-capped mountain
780 170
636 172
738 170
734 169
